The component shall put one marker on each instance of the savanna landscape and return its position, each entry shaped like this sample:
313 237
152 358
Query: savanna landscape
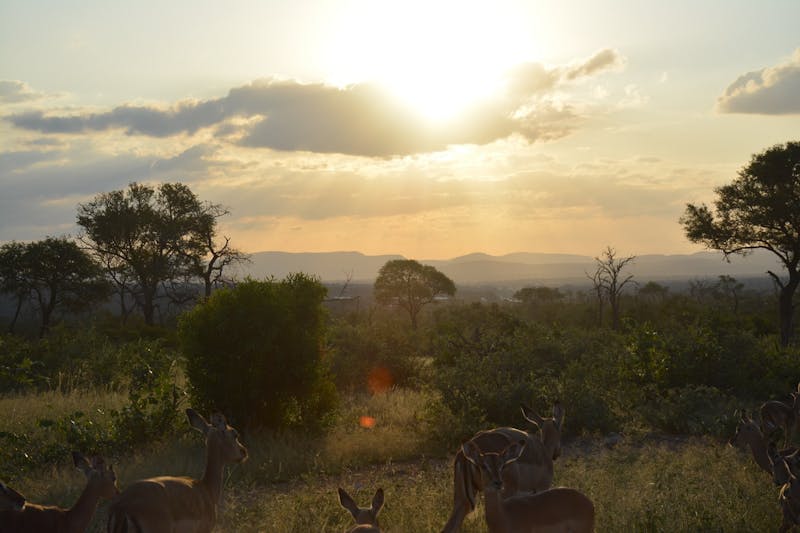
548 253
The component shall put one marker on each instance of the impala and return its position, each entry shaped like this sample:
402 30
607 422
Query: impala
366 518
554 510
533 472
780 415
10 500
170 504
101 483
748 433
789 499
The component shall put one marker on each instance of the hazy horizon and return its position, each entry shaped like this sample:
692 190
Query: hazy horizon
426 129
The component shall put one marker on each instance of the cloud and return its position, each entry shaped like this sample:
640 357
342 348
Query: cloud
42 189
360 119
14 91
769 91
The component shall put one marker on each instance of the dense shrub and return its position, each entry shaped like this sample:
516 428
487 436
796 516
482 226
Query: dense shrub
254 352
372 356
78 359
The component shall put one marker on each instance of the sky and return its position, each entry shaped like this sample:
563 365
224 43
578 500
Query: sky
429 129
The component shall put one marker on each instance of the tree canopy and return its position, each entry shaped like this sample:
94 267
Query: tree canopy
411 285
148 237
760 209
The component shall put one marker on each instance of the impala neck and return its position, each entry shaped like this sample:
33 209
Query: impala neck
212 477
496 518
80 514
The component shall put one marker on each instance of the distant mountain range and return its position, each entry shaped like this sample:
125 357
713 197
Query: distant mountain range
516 268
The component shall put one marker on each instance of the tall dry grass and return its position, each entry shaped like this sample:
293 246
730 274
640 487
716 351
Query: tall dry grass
289 483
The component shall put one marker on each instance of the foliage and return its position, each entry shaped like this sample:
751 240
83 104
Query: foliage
411 286
372 355
154 237
54 274
760 209
254 352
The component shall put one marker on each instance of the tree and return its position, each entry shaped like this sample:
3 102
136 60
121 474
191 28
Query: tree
538 295
54 273
255 351
218 255
760 209
610 282
411 286
149 236
11 280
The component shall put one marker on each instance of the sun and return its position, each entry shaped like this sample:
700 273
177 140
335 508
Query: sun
437 57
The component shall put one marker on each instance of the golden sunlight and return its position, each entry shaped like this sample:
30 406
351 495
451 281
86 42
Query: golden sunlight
437 57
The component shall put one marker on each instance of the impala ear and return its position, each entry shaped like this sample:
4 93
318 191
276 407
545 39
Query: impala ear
530 416
197 421
377 501
471 452
558 414
513 451
348 503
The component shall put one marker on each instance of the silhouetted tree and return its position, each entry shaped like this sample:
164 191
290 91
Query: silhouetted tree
150 237
760 209
411 286
610 281
55 273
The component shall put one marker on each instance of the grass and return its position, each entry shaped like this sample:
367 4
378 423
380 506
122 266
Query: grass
289 483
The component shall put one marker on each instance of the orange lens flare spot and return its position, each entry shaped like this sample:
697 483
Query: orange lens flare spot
379 380
366 422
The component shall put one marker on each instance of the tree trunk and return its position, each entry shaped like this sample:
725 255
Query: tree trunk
17 311
786 308
148 305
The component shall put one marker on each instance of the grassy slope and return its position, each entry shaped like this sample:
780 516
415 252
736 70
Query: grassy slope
289 485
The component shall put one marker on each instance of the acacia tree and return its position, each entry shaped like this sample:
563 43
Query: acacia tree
610 281
55 273
411 285
149 235
760 209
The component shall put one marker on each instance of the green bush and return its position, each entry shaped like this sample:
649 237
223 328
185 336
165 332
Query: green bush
254 352
373 355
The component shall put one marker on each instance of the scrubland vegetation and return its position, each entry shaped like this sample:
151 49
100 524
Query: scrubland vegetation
391 403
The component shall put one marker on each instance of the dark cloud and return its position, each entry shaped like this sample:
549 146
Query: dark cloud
360 119
14 91
770 91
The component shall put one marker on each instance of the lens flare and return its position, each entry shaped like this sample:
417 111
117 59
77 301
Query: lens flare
379 380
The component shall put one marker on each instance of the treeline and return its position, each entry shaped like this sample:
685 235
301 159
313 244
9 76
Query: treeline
145 245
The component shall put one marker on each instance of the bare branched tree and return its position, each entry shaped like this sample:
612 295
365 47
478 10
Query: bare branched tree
610 280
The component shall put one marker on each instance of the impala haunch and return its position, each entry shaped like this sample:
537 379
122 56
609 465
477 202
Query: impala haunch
532 472
171 504
101 482
554 510
366 517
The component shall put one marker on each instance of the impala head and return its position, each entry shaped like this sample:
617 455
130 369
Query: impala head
101 477
550 428
363 517
10 500
220 437
746 431
491 464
